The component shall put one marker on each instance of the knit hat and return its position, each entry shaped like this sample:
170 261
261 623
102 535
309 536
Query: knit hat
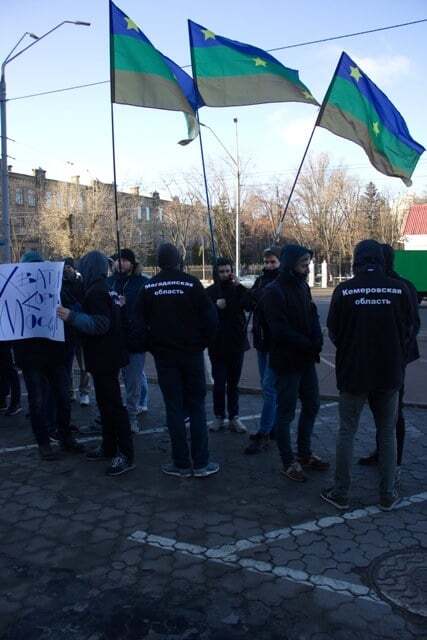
168 256
69 262
128 254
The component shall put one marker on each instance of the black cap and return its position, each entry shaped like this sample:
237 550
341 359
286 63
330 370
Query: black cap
168 256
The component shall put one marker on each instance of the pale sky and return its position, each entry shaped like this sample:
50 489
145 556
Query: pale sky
70 133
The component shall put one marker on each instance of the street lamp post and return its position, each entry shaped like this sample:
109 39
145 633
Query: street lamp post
4 169
236 162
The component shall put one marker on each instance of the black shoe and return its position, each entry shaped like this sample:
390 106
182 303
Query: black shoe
119 464
13 410
329 495
74 428
47 453
97 454
3 405
369 461
54 436
388 503
70 445
258 444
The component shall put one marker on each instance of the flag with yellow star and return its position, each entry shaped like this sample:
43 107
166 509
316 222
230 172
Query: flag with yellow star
144 77
356 109
230 73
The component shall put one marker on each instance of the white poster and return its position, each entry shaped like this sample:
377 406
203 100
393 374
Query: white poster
29 296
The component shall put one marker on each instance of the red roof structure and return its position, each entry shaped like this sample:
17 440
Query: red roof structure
415 223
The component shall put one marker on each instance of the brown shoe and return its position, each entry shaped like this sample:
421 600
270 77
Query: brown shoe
294 472
315 463
47 453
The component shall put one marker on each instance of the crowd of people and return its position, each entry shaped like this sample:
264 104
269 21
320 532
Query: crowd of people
113 315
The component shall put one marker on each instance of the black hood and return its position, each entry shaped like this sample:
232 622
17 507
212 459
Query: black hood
290 255
93 267
368 256
388 253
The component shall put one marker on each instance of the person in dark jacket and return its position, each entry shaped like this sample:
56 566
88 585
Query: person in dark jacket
412 355
227 349
104 354
260 439
174 319
44 368
126 282
295 341
370 322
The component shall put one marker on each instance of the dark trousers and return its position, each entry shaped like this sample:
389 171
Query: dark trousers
116 432
181 377
226 372
50 383
290 386
9 378
400 427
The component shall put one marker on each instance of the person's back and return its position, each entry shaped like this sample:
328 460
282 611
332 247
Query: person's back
369 322
174 319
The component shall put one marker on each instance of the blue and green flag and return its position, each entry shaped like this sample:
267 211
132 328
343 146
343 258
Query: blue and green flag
144 77
230 73
356 109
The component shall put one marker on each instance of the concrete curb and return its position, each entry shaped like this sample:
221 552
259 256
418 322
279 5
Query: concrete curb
254 391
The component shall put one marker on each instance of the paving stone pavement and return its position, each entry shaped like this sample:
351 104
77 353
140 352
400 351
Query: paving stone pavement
243 554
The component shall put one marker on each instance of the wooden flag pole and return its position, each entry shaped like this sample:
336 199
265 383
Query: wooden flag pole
208 204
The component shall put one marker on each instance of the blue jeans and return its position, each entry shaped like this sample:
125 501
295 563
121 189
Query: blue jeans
132 376
384 406
143 399
181 379
268 385
290 386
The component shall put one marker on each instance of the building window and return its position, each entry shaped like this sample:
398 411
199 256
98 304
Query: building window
139 213
160 214
49 199
31 198
147 214
19 196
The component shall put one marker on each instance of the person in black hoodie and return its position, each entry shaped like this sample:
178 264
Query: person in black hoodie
174 319
412 355
104 352
295 341
370 322
44 368
260 439
227 349
126 282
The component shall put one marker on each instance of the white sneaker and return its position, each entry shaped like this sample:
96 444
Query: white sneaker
84 400
217 425
141 409
237 426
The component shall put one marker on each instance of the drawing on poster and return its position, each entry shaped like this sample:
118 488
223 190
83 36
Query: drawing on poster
29 296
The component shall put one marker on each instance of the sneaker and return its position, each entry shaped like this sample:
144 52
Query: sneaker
70 445
187 421
13 410
47 453
171 470
209 470
3 405
329 495
141 409
236 426
258 444
84 400
217 425
314 462
295 472
369 461
119 464
389 502
135 426
97 454
74 428
54 436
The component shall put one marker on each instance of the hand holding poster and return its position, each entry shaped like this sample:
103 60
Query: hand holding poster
29 296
